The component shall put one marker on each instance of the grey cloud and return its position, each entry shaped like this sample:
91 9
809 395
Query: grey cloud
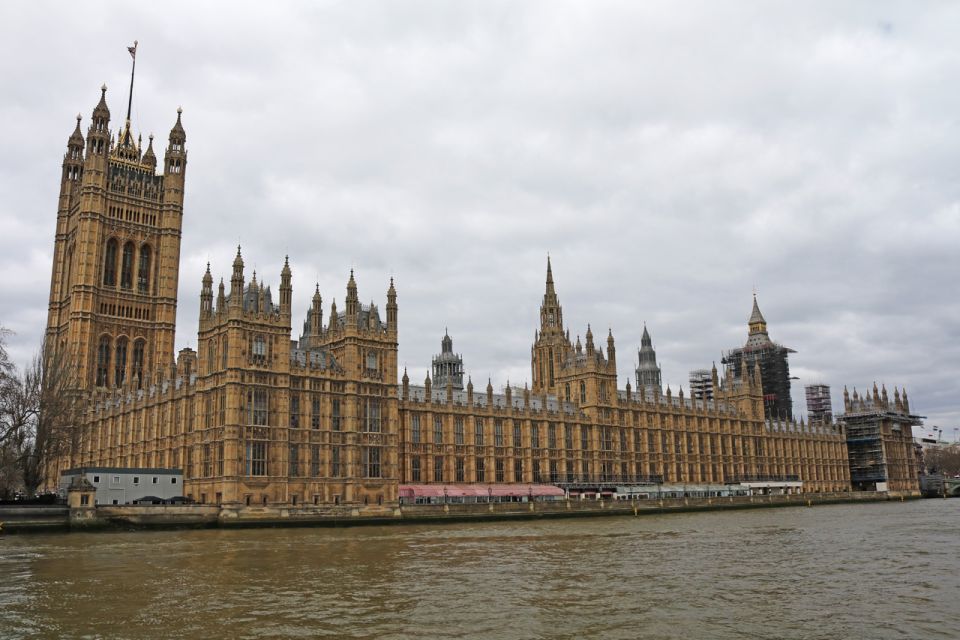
670 158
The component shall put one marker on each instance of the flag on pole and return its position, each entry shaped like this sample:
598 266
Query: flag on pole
133 50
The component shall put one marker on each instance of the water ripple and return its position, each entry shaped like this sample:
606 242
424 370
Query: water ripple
859 571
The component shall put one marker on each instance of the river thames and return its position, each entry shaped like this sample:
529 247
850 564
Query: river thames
882 570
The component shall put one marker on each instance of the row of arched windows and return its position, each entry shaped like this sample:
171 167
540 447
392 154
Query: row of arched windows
128 258
116 361
583 392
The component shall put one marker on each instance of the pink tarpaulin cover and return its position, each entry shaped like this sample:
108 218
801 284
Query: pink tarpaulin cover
465 490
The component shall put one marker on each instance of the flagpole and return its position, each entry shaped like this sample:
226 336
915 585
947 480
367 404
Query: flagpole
133 54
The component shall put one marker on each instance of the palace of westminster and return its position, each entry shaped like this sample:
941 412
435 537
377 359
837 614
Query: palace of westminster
254 416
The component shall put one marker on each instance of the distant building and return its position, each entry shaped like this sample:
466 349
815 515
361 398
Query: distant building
648 371
448 366
122 485
701 384
819 406
771 358
880 441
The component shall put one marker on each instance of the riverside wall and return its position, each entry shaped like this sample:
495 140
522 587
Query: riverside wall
127 517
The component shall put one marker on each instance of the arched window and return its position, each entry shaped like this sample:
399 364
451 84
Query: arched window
110 264
103 361
567 392
143 273
120 362
126 267
583 392
137 369
211 356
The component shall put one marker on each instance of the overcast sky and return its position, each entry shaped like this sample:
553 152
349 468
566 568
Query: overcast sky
670 157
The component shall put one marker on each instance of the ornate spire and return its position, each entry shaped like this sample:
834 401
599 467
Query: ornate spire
551 313
353 301
149 157
77 136
178 126
236 280
333 315
757 323
206 293
550 290
73 159
648 371
101 109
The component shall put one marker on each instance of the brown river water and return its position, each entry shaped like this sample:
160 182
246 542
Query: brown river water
882 570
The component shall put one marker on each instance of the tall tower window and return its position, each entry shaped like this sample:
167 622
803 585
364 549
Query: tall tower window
370 414
143 274
256 458
257 407
370 460
211 356
103 361
69 269
120 362
259 349
110 264
126 267
550 366
137 368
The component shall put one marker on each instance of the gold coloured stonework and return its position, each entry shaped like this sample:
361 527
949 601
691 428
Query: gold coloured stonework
254 417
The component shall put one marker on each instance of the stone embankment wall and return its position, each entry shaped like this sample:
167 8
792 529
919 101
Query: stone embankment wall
40 518
27 519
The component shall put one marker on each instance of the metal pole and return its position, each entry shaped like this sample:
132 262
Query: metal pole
132 71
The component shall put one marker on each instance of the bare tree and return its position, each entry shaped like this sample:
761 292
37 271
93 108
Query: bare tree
8 384
942 459
48 407
10 422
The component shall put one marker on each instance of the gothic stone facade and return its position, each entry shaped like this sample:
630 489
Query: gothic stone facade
255 417
116 257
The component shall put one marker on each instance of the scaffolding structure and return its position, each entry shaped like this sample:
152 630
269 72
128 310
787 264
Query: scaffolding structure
701 384
819 405
880 447
774 374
